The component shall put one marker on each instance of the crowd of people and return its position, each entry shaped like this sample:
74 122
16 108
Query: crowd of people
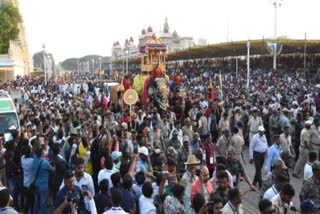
75 153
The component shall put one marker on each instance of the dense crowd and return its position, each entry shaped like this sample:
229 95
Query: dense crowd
76 153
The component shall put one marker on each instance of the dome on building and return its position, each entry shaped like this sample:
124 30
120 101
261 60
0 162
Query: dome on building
150 29
175 34
166 28
143 32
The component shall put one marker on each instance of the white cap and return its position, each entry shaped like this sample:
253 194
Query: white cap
13 127
261 129
144 150
308 122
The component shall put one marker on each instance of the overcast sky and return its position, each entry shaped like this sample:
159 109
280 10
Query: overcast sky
74 28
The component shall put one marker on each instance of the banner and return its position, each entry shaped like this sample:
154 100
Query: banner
271 48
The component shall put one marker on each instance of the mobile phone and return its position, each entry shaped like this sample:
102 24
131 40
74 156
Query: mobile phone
84 189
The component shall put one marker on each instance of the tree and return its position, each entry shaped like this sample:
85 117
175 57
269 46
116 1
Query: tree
10 19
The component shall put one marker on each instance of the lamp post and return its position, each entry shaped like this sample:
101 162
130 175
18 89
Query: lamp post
248 64
93 65
48 66
127 56
276 5
44 63
100 68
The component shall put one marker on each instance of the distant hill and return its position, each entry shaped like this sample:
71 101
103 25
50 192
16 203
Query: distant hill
38 60
72 63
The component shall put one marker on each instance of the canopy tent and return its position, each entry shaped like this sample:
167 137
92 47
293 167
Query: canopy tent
239 48
257 47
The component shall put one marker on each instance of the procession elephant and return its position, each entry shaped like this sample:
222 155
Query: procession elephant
156 90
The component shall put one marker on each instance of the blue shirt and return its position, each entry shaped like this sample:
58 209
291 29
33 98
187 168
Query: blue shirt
128 200
194 147
43 177
273 154
75 194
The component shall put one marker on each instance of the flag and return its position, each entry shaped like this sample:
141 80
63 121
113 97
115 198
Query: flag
211 90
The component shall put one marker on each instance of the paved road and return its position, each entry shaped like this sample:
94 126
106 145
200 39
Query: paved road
251 199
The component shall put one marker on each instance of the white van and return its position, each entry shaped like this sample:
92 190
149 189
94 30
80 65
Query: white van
8 115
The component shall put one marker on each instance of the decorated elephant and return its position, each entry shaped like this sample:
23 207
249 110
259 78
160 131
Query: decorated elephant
156 90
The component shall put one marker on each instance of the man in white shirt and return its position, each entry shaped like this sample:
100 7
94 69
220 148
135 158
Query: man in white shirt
146 201
276 187
83 180
233 206
106 172
308 167
283 200
257 151
116 198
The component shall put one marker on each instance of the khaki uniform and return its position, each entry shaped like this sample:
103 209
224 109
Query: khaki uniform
203 129
253 126
223 124
315 139
273 122
222 146
187 131
303 150
237 142
286 144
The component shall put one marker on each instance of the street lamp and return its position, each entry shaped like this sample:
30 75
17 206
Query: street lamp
44 63
100 67
276 5
248 64
93 65
127 56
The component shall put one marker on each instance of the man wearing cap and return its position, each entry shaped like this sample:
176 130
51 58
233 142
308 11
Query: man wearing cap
309 207
190 175
274 152
254 123
311 187
257 151
304 149
183 152
144 164
116 159
315 136
174 141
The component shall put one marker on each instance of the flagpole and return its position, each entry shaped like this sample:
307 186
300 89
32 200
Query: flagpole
248 64
304 55
221 86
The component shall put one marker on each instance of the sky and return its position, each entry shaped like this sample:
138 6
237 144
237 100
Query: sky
75 28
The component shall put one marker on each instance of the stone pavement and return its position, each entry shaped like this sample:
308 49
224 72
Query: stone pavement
251 199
